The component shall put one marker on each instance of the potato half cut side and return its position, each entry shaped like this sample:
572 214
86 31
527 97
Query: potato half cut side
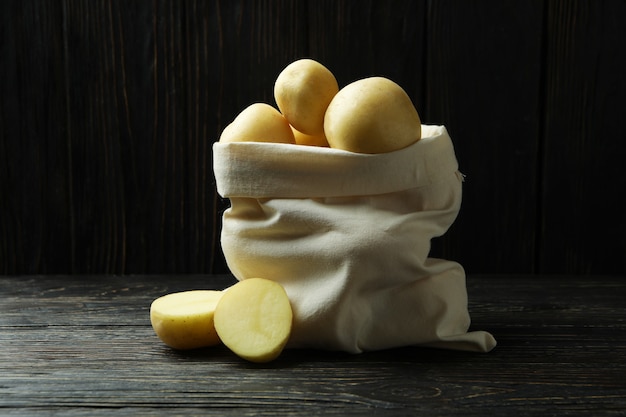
184 320
254 319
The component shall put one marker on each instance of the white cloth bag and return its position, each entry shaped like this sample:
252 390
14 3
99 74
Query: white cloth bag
348 237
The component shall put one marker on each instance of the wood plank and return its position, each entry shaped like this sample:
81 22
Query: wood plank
257 40
584 214
65 298
483 83
82 345
108 110
114 173
34 181
140 156
359 39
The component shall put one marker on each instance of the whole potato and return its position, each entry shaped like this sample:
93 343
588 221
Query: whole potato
258 122
302 92
372 115
310 140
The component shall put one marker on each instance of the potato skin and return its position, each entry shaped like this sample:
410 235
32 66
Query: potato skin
310 140
259 122
184 320
302 92
372 115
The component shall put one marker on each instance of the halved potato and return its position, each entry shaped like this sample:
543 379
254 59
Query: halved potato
184 320
254 319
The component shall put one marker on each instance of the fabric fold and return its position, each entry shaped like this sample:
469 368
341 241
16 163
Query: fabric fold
278 170
348 236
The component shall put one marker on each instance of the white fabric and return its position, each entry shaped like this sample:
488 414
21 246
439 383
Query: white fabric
348 236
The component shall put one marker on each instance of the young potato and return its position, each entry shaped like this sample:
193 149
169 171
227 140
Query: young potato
258 122
302 92
254 318
310 140
372 115
184 320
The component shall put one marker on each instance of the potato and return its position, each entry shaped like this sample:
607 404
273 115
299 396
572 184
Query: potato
254 318
258 122
372 115
184 320
310 140
302 92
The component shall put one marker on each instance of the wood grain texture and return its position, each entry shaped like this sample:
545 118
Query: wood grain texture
584 219
144 89
143 126
108 110
483 83
369 38
83 346
34 187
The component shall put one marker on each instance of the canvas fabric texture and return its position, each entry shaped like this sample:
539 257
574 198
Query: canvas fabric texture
348 236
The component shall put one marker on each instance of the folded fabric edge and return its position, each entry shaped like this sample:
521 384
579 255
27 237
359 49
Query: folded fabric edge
474 341
273 170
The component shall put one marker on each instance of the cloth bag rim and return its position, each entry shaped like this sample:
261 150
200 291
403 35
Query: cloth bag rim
278 170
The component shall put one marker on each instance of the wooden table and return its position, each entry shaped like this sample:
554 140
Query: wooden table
83 346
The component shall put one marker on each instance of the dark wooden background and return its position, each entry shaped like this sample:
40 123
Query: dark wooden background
108 110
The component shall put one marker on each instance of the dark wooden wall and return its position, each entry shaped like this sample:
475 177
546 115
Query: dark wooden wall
108 110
